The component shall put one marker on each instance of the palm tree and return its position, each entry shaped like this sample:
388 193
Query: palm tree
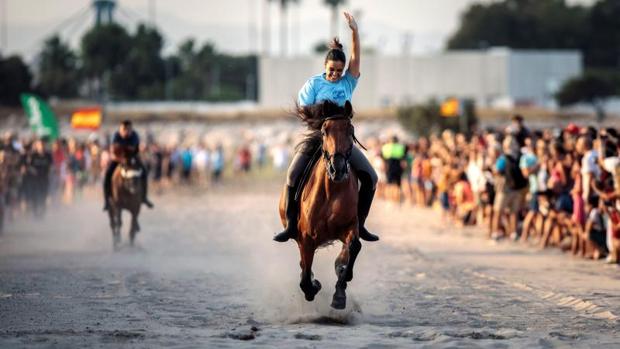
334 4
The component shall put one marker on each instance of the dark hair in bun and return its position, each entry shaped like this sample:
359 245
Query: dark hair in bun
335 52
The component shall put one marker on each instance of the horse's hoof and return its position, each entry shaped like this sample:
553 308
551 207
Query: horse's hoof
312 290
348 276
339 302
317 285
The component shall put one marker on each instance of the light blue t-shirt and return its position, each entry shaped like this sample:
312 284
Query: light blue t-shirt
500 163
528 161
317 89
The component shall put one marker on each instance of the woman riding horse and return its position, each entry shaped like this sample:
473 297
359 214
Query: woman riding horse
336 87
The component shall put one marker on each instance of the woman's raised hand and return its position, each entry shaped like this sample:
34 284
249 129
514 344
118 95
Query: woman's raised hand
351 21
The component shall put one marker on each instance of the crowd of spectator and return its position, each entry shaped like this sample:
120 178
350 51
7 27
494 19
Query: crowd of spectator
39 173
550 187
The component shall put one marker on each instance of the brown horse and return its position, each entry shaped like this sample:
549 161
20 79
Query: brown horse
328 203
127 193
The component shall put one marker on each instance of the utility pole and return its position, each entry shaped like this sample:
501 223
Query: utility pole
4 38
266 28
296 29
152 18
252 35
407 44
283 29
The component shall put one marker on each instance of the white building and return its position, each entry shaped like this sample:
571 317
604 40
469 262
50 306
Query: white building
496 77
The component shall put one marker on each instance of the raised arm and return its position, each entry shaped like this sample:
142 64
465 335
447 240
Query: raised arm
354 62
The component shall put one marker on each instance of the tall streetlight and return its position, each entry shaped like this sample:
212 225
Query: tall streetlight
266 27
4 39
152 13
104 11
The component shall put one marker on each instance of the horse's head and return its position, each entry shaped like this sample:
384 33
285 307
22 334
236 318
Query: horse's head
337 136
131 173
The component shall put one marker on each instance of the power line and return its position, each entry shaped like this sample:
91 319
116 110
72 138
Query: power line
57 29
137 18
77 25
124 17
76 16
132 15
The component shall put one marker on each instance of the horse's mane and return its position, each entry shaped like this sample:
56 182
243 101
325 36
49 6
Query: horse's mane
313 116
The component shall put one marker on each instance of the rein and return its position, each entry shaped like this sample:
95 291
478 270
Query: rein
342 117
317 153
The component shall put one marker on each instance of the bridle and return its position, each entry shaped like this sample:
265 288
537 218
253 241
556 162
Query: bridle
326 155
347 155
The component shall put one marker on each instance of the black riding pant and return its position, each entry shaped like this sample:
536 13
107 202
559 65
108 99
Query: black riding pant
365 172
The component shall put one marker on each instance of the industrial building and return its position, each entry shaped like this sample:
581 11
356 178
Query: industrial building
497 77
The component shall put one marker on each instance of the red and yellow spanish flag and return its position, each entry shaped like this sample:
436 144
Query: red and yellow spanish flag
450 108
86 118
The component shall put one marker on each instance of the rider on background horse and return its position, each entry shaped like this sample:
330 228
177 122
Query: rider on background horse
335 85
125 142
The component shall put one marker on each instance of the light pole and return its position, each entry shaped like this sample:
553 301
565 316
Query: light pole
266 27
152 13
104 11
4 44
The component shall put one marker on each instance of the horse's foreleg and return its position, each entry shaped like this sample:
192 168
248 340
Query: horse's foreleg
344 269
309 286
135 227
354 249
339 300
115 224
1 214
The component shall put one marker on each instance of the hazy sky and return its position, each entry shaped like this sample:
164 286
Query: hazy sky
236 25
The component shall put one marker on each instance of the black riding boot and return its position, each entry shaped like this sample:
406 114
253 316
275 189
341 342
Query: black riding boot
106 196
292 213
363 207
107 185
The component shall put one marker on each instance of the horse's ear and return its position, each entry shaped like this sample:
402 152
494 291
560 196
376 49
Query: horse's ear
348 109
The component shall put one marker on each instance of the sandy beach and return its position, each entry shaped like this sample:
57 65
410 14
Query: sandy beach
205 273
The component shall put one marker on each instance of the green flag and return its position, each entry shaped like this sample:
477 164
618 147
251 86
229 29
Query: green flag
40 116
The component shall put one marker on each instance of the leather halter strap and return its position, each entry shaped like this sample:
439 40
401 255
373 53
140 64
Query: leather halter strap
344 117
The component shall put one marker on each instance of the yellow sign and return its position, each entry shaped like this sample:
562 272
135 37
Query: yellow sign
86 118
450 108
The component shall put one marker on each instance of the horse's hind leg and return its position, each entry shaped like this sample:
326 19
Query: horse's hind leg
309 286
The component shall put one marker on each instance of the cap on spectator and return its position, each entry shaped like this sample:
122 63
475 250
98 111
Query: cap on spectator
572 129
